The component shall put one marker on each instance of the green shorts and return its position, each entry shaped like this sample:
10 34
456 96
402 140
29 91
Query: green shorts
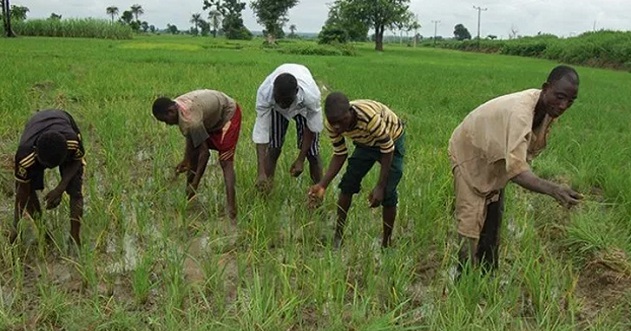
362 160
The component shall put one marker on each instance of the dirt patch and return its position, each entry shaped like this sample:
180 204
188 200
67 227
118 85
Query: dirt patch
603 284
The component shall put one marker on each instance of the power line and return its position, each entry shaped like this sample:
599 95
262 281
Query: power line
480 10
435 28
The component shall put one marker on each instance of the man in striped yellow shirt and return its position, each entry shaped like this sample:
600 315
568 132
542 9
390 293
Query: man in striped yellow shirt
378 136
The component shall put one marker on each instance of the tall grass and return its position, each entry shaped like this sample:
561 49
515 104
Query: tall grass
153 261
72 28
609 49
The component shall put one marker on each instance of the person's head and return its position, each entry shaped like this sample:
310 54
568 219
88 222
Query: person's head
165 110
51 149
338 113
285 90
560 90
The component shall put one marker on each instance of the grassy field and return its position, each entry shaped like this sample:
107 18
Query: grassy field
150 261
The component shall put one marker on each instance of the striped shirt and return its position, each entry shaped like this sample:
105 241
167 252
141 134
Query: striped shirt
26 163
376 126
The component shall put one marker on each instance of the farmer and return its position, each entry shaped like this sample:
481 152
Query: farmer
50 139
494 145
378 135
287 93
208 119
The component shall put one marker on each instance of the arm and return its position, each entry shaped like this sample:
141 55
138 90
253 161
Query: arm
307 140
53 198
261 131
188 155
565 196
334 168
203 154
386 162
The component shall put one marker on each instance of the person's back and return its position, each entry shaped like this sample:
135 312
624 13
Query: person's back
212 108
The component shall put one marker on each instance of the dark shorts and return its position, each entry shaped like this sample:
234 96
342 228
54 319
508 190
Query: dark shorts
225 140
362 160
279 130
74 186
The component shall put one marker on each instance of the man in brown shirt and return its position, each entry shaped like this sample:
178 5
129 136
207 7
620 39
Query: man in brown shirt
494 145
208 119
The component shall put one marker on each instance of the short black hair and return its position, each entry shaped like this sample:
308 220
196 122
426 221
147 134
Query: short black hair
285 85
562 71
161 106
336 105
52 148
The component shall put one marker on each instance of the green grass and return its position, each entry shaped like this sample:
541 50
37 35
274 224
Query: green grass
151 262
72 28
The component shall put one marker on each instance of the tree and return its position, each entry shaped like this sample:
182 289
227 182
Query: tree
112 11
6 14
491 36
332 34
195 18
204 26
292 31
127 17
376 14
54 17
145 26
461 33
232 24
215 20
272 14
172 29
414 26
403 24
513 32
341 18
18 13
152 28
137 10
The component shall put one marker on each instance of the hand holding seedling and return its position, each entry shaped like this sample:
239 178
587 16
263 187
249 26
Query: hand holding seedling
566 196
53 198
316 195
181 167
296 168
376 197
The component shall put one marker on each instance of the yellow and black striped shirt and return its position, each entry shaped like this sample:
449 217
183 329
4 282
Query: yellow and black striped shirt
377 126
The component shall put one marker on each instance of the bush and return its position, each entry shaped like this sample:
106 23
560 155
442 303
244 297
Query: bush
323 50
80 28
611 49
332 34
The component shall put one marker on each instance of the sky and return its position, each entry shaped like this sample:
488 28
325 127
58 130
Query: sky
526 17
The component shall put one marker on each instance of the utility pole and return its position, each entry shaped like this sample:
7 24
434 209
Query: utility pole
480 10
435 28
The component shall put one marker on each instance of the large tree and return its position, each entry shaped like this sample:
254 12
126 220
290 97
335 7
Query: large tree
112 11
376 14
18 13
137 10
6 14
127 17
342 24
214 17
196 19
232 24
272 14
461 33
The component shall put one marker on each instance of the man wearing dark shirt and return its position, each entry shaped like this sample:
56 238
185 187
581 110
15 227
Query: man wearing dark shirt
50 139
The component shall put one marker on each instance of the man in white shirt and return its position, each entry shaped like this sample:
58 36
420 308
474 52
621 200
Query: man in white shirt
290 92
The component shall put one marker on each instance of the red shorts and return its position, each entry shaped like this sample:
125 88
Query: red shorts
225 140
